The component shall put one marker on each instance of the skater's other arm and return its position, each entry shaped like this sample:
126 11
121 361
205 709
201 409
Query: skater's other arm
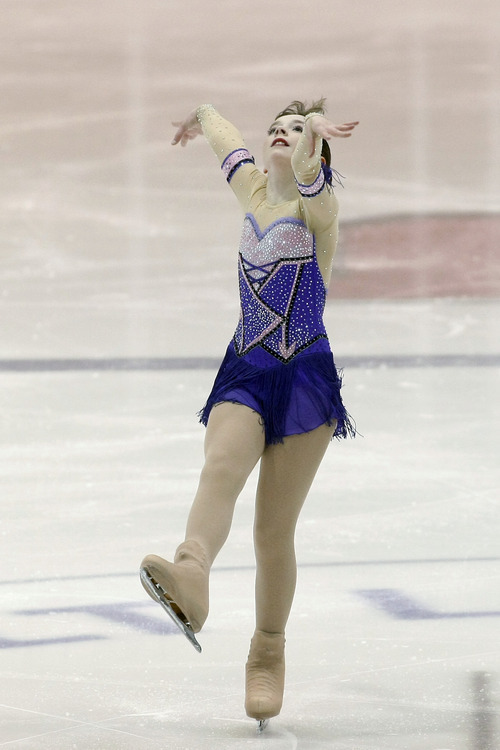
318 200
228 145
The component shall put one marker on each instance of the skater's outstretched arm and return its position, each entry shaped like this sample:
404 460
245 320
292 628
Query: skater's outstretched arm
319 203
227 144
222 135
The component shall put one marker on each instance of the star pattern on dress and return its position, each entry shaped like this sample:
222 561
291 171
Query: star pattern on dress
256 274
258 309
275 265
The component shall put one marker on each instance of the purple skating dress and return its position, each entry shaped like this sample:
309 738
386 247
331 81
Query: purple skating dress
279 362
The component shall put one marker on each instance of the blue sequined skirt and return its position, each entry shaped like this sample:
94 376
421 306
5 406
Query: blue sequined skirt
292 397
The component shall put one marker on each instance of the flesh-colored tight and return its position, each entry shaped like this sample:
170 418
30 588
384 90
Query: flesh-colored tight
234 443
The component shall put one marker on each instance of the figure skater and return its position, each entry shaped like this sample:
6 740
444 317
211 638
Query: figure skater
276 398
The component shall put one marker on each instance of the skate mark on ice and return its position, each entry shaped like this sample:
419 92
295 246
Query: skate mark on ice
401 606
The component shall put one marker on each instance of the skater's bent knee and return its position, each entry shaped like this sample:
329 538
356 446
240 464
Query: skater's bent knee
220 471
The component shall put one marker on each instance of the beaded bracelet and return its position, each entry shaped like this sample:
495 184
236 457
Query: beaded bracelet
203 108
313 114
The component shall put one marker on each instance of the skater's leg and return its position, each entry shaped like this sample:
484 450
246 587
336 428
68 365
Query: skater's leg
234 442
233 445
286 474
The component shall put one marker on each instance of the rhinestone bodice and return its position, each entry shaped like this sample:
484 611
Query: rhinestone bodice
282 293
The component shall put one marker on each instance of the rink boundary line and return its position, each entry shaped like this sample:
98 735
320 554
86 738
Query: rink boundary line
152 364
232 568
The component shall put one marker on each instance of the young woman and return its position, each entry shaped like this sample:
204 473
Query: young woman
276 398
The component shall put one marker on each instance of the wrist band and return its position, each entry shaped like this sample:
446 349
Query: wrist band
234 160
315 188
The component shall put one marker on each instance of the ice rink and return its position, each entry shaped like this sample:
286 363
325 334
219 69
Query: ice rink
118 296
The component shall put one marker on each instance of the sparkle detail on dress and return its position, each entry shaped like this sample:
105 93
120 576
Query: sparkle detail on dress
315 188
234 160
282 292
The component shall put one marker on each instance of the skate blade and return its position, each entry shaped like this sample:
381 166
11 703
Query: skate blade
159 595
262 724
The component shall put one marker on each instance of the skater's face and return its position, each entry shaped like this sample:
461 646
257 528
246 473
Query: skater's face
282 138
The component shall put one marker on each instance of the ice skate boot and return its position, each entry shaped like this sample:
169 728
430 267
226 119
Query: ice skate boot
265 677
181 587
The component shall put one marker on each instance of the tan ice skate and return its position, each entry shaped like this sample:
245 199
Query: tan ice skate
265 677
181 587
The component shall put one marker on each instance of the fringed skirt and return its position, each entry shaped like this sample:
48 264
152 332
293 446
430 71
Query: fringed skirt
291 398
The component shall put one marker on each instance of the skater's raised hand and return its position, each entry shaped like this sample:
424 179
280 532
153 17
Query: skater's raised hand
322 126
187 129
